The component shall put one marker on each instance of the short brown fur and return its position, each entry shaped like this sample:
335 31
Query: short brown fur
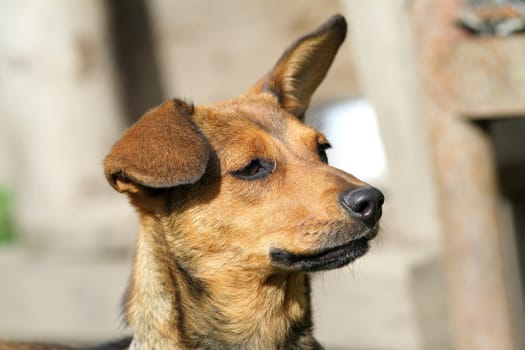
204 276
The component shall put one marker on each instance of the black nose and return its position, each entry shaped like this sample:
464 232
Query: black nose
364 203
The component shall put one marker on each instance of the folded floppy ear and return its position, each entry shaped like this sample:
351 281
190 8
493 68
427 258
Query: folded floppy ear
303 66
163 149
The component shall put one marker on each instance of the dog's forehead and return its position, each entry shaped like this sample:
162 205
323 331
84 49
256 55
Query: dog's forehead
248 115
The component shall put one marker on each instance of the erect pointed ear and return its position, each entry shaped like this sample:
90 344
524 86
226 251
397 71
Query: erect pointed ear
303 66
163 149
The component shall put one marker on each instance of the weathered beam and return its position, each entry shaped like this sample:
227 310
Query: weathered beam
471 77
474 76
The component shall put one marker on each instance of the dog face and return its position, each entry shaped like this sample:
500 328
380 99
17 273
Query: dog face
245 184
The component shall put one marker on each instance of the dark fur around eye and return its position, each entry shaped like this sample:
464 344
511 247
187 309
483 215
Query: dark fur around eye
255 169
321 150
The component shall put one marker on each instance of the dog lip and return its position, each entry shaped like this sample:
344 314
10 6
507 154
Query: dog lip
370 233
324 259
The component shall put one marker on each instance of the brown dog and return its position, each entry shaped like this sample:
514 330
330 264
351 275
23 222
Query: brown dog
237 206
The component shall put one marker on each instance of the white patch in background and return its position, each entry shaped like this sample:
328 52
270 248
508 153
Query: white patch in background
351 127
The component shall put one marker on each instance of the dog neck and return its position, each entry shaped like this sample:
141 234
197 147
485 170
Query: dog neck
168 307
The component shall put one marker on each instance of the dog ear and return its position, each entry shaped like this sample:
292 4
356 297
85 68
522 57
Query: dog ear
303 66
163 149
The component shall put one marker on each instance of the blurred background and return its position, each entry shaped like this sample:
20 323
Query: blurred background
425 101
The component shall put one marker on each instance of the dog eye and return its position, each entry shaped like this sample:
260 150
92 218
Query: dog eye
321 150
256 169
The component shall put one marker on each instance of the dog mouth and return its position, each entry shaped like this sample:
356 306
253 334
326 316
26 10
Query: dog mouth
324 259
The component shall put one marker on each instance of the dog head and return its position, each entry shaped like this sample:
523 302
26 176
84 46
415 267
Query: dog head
245 182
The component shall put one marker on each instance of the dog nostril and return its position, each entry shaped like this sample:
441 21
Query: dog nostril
364 203
360 206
